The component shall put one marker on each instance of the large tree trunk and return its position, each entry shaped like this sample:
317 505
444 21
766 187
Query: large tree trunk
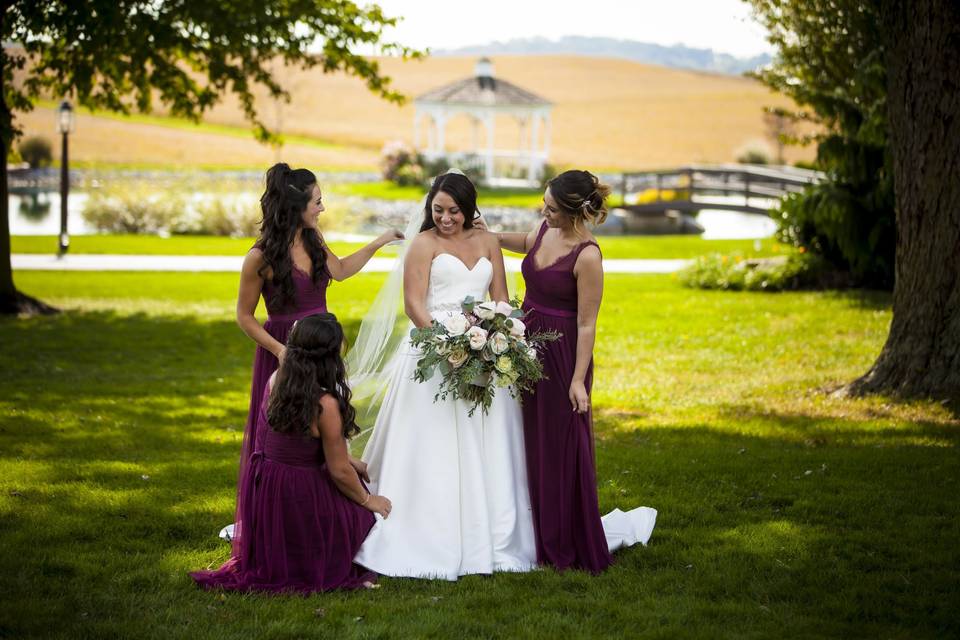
11 300
921 357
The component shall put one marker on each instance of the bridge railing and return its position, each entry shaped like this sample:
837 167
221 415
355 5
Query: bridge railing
748 181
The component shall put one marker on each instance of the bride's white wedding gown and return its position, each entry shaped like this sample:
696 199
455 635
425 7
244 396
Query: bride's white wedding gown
458 484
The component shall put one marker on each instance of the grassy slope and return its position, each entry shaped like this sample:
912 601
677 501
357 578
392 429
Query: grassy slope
608 114
613 247
783 512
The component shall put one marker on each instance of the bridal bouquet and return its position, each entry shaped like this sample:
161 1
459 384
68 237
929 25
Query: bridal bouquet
480 349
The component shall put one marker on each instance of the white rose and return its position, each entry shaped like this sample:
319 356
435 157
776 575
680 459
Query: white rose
531 353
478 338
456 325
499 343
517 328
504 309
485 310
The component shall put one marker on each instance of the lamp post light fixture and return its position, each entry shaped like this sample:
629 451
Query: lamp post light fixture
64 126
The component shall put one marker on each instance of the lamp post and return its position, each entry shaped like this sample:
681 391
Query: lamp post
64 126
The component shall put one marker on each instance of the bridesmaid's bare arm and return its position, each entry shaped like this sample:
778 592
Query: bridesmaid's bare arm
516 242
329 428
498 284
251 284
589 273
416 278
343 268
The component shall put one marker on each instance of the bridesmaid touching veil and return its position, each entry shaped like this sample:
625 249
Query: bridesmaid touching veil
290 267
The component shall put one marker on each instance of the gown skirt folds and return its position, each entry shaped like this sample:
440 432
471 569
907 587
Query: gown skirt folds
458 483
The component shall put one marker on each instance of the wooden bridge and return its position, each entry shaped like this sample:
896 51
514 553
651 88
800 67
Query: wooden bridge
690 188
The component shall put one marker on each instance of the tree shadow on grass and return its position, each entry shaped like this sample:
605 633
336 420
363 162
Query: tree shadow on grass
872 299
822 527
133 422
770 524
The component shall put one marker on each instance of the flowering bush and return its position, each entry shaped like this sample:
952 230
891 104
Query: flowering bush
483 348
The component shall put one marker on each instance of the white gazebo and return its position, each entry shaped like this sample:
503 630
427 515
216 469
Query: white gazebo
482 98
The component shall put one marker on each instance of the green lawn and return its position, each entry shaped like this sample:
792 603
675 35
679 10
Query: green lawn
783 512
613 247
386 190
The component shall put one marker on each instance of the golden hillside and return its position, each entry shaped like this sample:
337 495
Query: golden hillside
608 114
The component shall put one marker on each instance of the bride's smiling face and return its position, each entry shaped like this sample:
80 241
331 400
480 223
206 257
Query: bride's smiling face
447 214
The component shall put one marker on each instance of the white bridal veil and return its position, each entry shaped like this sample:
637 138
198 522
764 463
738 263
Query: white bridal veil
382 331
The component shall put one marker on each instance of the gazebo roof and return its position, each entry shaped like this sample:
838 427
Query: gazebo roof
483 89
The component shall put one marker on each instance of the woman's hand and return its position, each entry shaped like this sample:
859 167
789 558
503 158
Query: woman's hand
361 468
390 235
280 354
379 504
480 223
579 399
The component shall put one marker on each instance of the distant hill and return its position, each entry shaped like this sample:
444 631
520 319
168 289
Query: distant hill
608 114
677 56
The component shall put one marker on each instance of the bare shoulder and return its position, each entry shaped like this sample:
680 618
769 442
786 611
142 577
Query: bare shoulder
423 244
329 408
425 237
590 257
254 262
254 259
482 237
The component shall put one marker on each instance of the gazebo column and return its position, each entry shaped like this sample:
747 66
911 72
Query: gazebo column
431 134
416 130
534 163
546 136
490 122
441 128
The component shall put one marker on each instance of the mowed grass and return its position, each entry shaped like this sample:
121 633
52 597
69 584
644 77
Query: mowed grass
613 247
608 114
783 512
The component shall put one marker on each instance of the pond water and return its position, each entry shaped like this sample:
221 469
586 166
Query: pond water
39 214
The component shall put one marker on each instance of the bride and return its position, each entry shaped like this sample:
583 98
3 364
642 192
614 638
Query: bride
458 484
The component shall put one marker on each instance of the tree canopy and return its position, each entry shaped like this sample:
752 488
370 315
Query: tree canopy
124 55
831 60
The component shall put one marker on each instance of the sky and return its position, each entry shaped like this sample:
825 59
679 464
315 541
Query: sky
722 25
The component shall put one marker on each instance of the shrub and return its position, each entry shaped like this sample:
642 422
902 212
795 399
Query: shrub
395 157
221 215
36 152
133 208
736 273
851 223
753 156
548 173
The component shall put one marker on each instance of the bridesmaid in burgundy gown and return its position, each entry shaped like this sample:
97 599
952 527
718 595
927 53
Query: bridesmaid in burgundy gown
564 283
306 510
290 266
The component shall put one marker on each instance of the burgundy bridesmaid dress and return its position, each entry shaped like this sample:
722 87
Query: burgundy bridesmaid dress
296 531
310 299
559 442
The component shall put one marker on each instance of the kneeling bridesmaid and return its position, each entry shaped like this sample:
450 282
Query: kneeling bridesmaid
303 509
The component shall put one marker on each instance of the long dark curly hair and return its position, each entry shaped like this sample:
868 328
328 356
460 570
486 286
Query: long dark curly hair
311 367
462 191
287 194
